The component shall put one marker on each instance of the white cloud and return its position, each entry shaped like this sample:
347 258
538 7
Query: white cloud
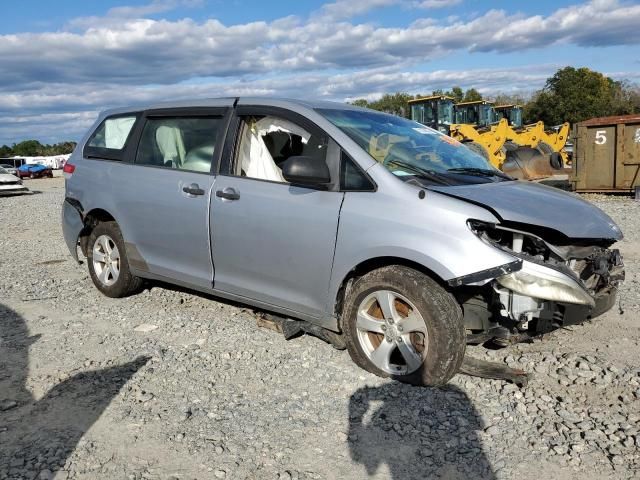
116 14
123 57
342 9
55 112
39 109
142 51
437 3
156 6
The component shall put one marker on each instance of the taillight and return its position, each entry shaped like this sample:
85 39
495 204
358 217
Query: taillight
68 168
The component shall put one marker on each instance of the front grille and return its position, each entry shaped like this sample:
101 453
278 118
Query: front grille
17 182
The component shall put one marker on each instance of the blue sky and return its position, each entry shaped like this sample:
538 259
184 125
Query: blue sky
64 61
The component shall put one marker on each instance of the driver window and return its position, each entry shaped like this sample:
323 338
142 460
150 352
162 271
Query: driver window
267 142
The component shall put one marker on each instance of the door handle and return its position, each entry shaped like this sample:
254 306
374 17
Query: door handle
193 189
228 193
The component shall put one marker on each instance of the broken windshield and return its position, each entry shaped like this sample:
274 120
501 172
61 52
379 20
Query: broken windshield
409 149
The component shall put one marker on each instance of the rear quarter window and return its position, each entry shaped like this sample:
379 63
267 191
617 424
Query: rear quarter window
110 138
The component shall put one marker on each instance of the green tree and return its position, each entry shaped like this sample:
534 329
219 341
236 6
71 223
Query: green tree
360 102
5 151
507 99
576 94
28 148
64 148
472 95
396 104
457 94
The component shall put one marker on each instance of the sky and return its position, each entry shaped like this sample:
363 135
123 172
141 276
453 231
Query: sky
62 62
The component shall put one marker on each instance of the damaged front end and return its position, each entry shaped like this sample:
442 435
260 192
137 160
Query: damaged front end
559 282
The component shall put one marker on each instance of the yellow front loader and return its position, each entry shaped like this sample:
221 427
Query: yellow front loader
468 122
534 135
555 141
488 141
496 132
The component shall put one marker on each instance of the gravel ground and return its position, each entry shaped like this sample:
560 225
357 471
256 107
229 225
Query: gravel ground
174 385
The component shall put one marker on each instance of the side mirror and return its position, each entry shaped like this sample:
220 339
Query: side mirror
304 170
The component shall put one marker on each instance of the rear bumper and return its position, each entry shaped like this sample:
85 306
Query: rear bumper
72 225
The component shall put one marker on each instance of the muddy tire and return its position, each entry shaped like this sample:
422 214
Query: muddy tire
108 262
402 324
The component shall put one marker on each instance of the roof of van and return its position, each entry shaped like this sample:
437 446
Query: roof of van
229 101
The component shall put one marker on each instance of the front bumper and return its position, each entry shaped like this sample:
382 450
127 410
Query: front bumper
538 291
13 189
604 301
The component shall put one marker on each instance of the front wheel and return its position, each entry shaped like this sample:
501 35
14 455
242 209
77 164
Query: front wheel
400 323
108 263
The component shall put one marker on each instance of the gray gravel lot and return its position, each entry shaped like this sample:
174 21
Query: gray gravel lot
175 385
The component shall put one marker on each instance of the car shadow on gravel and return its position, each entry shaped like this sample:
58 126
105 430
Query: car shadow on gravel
419 433
37 437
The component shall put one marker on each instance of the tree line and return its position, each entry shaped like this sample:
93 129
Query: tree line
570 95
33 148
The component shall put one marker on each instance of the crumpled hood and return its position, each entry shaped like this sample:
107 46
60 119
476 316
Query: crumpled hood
536 204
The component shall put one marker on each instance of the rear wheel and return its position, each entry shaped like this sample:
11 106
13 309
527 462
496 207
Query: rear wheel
32 176
400 323
108 262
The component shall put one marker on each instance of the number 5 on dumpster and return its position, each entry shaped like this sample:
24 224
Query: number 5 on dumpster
601 137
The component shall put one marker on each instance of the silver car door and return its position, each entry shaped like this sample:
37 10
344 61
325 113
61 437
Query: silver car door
164 195
271 241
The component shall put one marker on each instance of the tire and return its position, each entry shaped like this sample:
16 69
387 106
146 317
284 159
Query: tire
32 176
435 357
545 148
112 276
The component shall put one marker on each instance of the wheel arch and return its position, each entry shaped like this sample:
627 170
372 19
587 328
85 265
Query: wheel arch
374 263
90 220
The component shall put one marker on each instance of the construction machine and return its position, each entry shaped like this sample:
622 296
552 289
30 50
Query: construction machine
469 122
535 135
497 133
435 111
512 113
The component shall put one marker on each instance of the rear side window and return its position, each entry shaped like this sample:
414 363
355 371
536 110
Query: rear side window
182 143
110 138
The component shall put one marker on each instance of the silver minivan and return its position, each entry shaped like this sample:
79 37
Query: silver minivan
399 241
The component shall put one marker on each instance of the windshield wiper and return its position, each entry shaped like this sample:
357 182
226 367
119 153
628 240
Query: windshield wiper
483 172
418 172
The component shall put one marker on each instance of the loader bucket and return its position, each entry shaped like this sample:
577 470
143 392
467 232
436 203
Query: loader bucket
526 163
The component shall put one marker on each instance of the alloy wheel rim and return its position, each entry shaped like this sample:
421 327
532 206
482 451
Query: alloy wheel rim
106 260
392 332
